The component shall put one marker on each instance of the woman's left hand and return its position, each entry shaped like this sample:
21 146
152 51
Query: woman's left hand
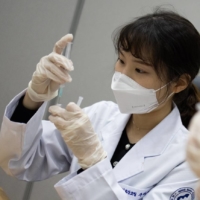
77 132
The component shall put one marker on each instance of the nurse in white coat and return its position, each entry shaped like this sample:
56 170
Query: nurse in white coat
134 149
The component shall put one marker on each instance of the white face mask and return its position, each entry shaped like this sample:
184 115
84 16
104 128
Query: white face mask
132 97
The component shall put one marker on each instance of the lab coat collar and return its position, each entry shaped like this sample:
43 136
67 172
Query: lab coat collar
111 133
152 144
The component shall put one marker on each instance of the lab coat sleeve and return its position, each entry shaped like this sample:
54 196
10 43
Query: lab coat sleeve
180 183
95 183
32 151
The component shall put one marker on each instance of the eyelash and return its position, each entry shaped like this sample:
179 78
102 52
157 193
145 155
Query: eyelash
121 61
137 70
140 71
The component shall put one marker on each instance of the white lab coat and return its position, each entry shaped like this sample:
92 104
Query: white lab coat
154 169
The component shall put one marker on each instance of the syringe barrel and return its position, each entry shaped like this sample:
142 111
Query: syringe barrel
67 55
68 50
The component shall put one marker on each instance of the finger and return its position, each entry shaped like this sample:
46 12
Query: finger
61 61
59 122
60 112
72 107
47 69
60 45
56 74
56 110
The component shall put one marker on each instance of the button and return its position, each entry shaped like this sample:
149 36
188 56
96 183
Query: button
115 163
127 146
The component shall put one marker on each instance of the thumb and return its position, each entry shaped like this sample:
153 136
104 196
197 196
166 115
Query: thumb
72 107
60 44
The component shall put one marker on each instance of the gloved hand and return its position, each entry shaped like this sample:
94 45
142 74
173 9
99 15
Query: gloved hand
197 193
193 145
78 134
51 72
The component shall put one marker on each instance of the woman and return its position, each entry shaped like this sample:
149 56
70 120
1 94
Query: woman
134 149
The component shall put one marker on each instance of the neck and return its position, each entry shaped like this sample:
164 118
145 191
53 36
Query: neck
140 124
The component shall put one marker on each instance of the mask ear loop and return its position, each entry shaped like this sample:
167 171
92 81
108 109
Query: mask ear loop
163 86
165 99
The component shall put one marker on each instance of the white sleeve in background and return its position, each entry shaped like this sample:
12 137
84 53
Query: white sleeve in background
95 183
32 151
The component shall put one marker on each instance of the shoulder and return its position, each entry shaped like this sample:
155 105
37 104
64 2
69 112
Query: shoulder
176 146
180 133
180 138
175 153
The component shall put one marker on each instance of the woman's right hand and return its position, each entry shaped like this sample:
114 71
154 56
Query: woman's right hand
51 72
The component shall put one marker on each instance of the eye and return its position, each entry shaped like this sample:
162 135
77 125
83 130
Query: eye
121 61
140 71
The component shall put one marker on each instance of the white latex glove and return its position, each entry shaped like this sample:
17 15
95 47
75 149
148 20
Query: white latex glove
197 193
51 72
193 145
78 134
193 148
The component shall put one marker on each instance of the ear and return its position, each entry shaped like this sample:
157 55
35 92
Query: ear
182 83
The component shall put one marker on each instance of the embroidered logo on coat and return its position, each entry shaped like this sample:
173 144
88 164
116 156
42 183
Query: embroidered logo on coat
183 194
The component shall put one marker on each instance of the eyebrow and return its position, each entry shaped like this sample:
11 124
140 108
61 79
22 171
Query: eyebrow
142 62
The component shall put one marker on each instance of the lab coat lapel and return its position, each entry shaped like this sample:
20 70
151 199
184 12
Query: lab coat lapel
153 144
130 165
111 133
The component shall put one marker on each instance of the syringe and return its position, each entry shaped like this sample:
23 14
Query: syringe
67 55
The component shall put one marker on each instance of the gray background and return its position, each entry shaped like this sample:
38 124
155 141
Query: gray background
28 31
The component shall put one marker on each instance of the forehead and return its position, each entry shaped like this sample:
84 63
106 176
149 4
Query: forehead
142 57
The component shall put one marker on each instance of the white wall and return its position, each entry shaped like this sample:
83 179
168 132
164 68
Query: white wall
28 30
24 40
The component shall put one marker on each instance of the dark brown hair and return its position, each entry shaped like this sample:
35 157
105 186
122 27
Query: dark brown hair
171 44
